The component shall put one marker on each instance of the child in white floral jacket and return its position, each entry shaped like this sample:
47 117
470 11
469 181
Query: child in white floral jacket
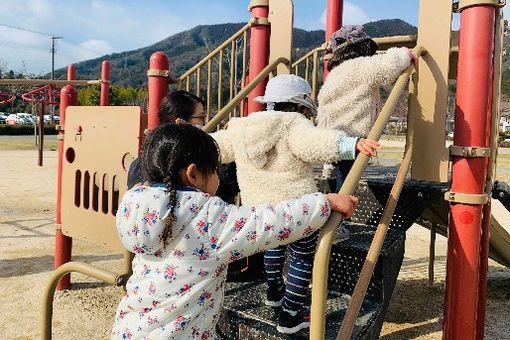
184 237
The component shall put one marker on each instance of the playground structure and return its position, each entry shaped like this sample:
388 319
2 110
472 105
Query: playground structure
95 151
48 94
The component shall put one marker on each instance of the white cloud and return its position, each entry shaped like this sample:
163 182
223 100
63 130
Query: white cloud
354 15
104 26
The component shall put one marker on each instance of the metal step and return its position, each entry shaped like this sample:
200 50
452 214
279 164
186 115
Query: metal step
244 315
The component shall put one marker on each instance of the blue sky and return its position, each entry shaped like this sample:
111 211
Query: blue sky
92 28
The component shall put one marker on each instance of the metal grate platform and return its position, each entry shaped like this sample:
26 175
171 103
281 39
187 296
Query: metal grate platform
244 315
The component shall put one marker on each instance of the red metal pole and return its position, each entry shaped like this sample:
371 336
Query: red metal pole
63 244
468 174
158 86
105 83
41 135
259 52
485 238
334 16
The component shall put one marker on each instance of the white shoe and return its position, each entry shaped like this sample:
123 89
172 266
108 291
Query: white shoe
327 171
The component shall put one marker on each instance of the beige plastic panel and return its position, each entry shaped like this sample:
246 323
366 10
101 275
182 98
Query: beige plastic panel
281 17
95 180
429 102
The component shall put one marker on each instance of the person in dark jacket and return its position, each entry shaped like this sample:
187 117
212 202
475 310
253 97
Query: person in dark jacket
177 107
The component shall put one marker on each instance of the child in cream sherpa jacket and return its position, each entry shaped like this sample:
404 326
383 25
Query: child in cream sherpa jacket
275 151
349 99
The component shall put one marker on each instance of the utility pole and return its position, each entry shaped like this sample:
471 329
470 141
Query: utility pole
53 50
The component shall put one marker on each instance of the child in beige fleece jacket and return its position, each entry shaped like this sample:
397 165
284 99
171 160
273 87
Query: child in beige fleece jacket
275 151
349 98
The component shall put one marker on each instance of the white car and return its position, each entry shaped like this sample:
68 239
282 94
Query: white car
27 118
47 119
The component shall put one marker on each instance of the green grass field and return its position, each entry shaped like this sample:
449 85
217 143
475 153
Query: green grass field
25 143
388 153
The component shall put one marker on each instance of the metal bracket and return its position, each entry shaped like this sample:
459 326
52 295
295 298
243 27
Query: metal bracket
158 73
462 4
104 81
474 199
260 22
465 151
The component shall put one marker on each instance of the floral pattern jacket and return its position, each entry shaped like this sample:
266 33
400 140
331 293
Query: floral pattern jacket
176 289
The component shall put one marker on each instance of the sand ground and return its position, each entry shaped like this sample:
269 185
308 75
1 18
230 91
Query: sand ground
27 210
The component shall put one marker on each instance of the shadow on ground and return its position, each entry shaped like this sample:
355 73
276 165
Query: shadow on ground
34 265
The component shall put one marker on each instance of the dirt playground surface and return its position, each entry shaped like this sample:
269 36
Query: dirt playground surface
86 311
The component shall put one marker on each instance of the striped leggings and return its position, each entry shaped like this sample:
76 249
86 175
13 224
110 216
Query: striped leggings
299 274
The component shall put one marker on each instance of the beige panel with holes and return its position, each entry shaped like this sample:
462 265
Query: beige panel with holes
429 100
100 143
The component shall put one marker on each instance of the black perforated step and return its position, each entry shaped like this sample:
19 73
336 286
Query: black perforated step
244 315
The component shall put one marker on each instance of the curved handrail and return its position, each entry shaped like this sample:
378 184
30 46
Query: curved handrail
310 53
217 50
397 40
49 290
367 271
56 82
222 62
214 122
323 249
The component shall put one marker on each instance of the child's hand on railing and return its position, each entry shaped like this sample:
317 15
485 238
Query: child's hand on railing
368 147
414 58
344 204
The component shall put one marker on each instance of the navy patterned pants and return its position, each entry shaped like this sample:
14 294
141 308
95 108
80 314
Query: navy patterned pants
299 275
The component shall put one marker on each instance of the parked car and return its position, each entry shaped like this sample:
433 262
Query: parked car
47 119
27 118
13 119
2 119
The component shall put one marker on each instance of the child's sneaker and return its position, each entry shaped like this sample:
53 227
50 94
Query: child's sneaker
290 324
274 297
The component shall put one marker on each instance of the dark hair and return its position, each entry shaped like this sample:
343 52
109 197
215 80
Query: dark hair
178 104
293 107
364 48
286 107
170 148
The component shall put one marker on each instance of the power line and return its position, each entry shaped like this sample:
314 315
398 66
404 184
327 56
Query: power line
81 46
27 30
53 37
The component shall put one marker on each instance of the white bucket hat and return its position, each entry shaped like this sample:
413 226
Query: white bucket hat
287 88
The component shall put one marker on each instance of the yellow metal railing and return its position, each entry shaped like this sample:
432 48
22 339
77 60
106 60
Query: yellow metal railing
323 250
309 67
221 68
220 117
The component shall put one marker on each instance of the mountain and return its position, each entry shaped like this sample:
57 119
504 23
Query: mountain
185 49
